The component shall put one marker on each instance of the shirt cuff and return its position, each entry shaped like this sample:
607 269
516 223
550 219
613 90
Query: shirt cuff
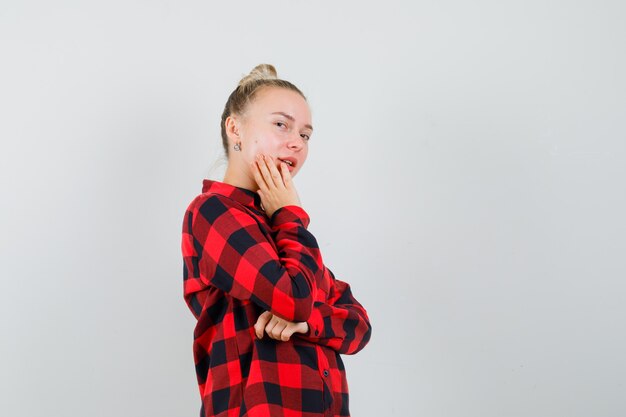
316 323
286 214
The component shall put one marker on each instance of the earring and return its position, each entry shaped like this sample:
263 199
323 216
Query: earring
237 147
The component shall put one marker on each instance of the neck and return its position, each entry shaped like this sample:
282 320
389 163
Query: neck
239 177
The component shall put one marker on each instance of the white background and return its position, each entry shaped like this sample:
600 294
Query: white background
466 176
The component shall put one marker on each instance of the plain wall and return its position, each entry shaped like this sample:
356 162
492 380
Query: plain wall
466 177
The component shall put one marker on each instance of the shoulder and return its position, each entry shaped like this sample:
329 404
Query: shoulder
211 207
211 200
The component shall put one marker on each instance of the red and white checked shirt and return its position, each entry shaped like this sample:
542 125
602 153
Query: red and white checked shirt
239 263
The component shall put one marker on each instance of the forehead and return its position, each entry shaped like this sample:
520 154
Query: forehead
274 99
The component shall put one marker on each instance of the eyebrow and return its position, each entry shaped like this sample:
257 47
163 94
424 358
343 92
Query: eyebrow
290 117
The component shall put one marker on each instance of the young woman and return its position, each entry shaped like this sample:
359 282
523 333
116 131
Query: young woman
272 318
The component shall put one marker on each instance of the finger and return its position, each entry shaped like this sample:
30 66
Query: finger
263 171
277 173
270 325
261 322
286 174
303 327
287 333
272 178
258 175
278 330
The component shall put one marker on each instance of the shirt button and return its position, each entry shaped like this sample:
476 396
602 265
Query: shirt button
326 373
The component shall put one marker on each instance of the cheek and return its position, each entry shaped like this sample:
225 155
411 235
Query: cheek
262 141
259 146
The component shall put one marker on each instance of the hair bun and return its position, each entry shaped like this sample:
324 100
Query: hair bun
260 72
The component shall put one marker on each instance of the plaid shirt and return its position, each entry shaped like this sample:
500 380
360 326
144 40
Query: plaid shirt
239 263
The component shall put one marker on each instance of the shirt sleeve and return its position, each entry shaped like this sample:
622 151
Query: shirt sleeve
229 249
341 322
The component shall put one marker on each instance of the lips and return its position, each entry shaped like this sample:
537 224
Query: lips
291 161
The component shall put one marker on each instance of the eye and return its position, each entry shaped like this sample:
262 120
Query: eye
305 136
279 124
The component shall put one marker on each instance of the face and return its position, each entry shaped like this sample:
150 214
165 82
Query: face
276 123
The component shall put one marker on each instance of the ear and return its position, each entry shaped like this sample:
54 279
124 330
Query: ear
231 125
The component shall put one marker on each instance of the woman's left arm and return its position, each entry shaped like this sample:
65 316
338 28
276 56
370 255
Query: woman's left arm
341 322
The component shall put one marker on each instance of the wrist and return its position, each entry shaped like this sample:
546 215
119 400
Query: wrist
289 214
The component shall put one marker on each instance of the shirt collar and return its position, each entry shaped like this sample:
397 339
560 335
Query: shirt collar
244 196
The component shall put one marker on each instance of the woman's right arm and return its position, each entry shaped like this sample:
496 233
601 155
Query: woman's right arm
224 246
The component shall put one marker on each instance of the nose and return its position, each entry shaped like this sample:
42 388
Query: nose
296 142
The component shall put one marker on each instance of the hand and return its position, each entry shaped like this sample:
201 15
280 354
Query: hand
276 188
277 328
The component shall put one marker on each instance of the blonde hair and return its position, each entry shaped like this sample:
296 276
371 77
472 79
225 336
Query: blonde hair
263 75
